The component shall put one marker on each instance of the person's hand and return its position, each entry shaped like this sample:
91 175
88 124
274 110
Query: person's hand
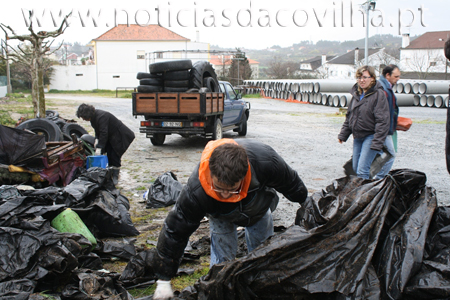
98 151
163 290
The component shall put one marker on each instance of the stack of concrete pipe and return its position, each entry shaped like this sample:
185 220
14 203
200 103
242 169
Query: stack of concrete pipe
329 92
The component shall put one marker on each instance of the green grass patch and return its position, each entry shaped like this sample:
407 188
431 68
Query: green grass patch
141 188
428 121
252 96
97 93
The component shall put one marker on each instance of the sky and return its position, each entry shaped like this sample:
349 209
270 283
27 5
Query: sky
257 24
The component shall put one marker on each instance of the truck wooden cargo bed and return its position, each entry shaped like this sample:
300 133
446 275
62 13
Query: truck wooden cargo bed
178 103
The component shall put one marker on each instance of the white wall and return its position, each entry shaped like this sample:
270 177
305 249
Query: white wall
70 78
3 90
418 60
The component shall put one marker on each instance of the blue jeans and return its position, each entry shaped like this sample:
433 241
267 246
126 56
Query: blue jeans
389 143
224 240
363 156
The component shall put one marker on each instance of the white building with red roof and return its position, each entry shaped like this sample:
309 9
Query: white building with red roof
222 64
122 52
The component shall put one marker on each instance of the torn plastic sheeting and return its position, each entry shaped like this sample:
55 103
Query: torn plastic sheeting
8 191
164 191
433 279
31 262
125 250
139 270
330 253
88 284
17 145
17 289
109 215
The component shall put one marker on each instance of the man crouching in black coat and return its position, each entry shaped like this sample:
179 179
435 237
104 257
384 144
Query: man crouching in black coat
234 185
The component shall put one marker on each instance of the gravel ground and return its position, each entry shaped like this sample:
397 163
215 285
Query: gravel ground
304 134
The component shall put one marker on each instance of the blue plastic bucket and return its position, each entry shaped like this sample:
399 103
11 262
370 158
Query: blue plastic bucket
97 161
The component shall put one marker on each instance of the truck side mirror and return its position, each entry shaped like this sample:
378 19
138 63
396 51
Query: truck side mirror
239 96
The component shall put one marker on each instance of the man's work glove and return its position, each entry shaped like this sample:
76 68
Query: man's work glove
98 151
163 290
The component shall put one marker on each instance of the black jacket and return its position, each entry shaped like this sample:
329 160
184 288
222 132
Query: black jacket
268 169
110 129
367 116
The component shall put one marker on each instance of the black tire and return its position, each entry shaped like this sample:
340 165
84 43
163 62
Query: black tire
175 89
45 127
142 75
60 123
243 131
200 70
149 88
168 66
51 114
151 81
177 75
217 130
177 83
158 139
212 84
70 128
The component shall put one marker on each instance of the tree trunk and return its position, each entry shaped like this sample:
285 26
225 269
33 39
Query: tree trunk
34 90
40 88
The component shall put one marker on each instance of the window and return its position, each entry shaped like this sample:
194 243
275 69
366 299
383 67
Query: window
159 55
141 54
432 63
116 76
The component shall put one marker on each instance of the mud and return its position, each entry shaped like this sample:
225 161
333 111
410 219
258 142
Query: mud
304 134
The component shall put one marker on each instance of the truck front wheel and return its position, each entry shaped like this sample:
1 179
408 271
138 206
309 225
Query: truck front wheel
158 139
217 133
243 130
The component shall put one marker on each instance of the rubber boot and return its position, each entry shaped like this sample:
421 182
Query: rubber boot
115 175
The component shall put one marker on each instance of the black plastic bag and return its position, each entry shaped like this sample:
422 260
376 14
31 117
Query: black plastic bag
164 191
328 253
17 145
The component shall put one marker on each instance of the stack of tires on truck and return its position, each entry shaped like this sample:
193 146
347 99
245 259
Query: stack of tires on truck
185 98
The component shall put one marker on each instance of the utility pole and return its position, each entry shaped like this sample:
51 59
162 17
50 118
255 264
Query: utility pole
370 5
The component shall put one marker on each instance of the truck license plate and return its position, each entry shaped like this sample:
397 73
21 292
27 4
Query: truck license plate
172 124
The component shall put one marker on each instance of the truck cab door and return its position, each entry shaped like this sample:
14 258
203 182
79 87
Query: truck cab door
232 109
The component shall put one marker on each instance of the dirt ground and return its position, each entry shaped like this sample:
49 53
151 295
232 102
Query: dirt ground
304 134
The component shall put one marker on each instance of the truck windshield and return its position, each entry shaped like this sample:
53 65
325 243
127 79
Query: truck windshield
231 92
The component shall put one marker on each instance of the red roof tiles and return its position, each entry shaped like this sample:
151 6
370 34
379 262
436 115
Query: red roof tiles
430 40
134 32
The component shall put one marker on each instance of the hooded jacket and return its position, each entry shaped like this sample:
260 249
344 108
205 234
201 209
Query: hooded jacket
110 129
367 116
392 100
268 171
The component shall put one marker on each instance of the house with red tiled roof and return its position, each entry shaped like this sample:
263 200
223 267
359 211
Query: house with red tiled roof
222 63
123 51
425 54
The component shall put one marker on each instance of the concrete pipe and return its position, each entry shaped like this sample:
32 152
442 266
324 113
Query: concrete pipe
295 87
423 100
336 100
324 100
435 87
330 100
343 101
430 100
439 101
305 97
400 88
416 100
316 87
415 88
406 99
446 99
335 86
407 88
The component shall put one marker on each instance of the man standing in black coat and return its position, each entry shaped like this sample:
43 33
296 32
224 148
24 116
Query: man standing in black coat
234 184
113 136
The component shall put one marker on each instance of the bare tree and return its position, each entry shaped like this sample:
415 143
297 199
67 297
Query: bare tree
35 58
423 63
